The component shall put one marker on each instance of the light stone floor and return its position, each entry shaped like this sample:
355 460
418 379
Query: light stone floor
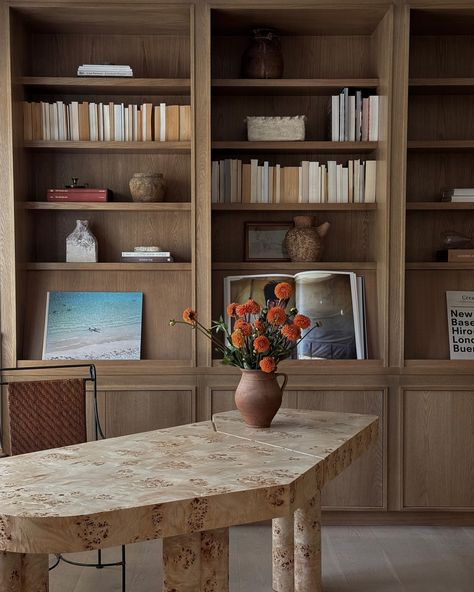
355 559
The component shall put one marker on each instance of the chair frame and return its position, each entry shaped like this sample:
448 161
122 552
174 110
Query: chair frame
99 435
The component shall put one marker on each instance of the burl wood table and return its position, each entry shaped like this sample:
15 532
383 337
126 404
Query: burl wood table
186 485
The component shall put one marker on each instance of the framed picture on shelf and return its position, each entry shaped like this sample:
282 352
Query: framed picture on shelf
93 326
264 241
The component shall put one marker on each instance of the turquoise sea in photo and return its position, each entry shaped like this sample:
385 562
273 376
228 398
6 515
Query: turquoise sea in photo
93 326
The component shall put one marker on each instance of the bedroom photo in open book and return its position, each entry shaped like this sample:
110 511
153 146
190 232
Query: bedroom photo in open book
334 299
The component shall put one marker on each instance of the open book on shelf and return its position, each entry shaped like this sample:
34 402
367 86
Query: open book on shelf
335 299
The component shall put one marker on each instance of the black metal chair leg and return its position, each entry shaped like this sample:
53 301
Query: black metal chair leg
123 568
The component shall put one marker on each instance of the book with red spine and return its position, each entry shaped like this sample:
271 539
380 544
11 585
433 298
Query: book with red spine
79 195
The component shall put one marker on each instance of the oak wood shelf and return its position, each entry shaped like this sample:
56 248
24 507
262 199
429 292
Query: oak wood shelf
294 266
289 86
439 205
441 145
295 147
108 266
112 147
441 85
323 207
99 85
116 206
440 265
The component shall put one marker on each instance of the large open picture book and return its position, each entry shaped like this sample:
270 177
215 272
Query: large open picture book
334 299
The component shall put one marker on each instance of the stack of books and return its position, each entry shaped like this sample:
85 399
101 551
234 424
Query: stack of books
106 122
311 182
146 255
354 118
104 70
466 194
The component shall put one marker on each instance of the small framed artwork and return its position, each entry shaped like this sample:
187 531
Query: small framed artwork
93 326
265 241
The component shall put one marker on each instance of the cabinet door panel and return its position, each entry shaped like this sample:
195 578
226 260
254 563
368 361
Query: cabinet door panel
362 484
438 449
131 412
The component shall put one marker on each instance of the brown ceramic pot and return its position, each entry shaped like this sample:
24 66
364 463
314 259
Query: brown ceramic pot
304 242
263 59
258 397
147 187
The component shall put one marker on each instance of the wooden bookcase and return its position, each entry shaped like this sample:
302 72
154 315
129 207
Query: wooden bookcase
47 46
417 55
309 80
440 139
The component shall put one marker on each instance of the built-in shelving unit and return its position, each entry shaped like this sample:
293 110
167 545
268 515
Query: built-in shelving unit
417 56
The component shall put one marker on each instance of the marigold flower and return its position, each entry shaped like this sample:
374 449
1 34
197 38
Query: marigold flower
276 315
237 339
283 291
267 364
259 326
291 332
254 307
242 309
301 321
189 316
261 344
243 326
231 309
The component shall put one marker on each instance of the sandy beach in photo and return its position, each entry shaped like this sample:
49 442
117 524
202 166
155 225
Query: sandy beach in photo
93 326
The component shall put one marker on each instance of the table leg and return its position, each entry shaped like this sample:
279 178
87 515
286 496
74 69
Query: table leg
182 563
308 546
283 554
215 560
23 573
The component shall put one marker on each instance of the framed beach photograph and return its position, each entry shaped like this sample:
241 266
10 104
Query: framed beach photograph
93 326
264 241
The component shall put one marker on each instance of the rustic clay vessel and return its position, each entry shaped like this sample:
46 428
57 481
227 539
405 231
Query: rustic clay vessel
263 59
258 397
147 187
305 241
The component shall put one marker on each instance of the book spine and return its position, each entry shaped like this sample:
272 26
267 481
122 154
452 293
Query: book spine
162 122
146 260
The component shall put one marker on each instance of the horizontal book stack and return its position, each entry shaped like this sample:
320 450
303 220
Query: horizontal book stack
462 195
353 117
106 122
105 70
146 256
311 182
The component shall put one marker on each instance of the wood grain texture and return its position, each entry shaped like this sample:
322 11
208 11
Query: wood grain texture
360 486
115 232
172 345
438 446
131 412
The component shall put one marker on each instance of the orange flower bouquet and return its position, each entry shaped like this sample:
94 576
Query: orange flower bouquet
260 338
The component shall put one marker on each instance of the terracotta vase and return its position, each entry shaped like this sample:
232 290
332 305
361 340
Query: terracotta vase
304 242
147 187
263 59
258 397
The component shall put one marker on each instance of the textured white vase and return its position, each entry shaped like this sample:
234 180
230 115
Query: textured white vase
81 244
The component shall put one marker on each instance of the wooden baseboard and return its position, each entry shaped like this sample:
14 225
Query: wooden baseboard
333 518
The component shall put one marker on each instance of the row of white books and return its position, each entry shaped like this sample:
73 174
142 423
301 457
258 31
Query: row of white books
105 122
311 182
354 118
104 70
